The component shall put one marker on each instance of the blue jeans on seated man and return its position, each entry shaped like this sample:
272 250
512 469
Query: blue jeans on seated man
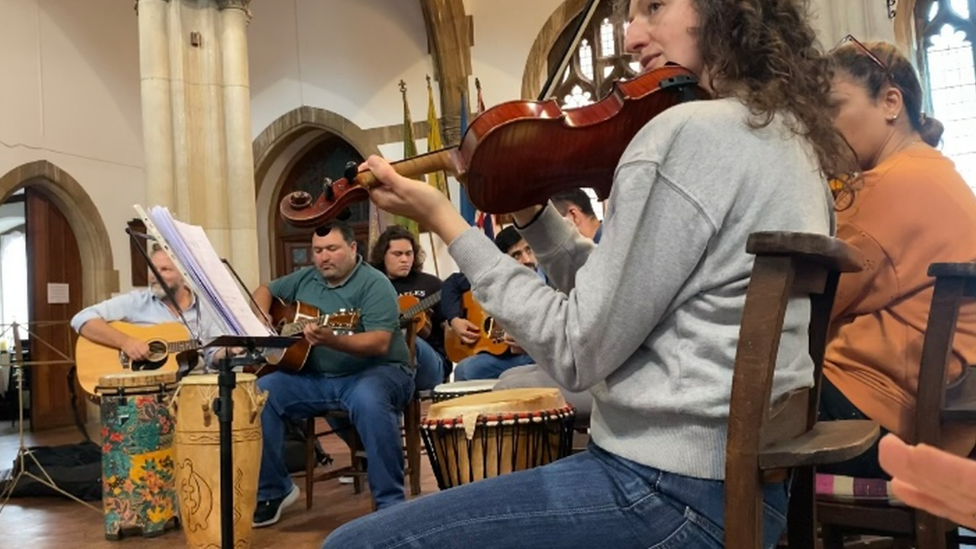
374 397
488 366
431 369
590 499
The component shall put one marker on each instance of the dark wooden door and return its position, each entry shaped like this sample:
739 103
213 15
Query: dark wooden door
52 258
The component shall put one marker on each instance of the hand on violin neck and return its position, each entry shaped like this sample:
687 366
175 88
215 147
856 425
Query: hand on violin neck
414 199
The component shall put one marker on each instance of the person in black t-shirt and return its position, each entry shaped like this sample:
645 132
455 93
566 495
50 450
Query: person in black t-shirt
398 255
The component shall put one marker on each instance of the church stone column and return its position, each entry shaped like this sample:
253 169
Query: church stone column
237 124
197 121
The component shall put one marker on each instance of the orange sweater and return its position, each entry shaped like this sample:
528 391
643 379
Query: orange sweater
914 209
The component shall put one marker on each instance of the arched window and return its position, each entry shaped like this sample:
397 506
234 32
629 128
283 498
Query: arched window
597 61
947 30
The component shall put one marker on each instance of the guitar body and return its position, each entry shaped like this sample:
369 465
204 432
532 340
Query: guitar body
289 319
490 340
283 317
95 360
406 302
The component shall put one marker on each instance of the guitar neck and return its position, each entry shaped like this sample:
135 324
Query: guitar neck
180 346
423 305
318 321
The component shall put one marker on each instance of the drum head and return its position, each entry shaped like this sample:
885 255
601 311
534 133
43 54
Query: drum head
471 386
507 401
211 379
136 379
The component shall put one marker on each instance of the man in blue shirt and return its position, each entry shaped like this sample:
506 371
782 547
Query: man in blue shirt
144 308
364 373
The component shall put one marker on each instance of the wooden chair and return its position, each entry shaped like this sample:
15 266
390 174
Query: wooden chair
765 442
357 455
937 404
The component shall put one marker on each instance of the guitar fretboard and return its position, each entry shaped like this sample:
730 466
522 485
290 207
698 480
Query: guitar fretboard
180 346
423 305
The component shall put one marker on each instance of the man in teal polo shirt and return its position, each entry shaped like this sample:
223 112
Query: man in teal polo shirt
364 373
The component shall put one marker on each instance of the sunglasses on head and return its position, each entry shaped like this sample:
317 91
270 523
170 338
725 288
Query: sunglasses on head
849 39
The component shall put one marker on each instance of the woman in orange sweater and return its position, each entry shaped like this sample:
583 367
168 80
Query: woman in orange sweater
911 208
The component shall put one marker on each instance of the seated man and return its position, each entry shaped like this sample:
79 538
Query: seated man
485 365
145 307
397 255
364 373
575 205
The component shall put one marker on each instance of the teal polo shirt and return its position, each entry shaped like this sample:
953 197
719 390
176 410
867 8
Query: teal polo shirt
365 289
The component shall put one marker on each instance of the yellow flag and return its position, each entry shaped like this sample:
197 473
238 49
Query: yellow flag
434 143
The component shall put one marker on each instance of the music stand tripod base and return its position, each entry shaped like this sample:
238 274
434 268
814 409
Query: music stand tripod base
223 406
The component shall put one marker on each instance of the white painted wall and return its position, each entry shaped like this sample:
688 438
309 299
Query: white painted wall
70 95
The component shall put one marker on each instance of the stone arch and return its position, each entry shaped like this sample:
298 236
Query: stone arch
274 140
536 65
99 277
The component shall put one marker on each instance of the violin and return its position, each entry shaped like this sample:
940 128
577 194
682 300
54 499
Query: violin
519 153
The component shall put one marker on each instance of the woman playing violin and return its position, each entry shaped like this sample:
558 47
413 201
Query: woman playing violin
648 321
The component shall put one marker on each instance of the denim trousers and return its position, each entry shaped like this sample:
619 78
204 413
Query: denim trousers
488 366
430 367
588 500
374 397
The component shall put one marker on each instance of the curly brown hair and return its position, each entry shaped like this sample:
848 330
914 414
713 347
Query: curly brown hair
766 53
395 232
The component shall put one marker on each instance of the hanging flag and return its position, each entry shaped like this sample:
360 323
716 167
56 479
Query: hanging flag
468 211
409 151
434 142
486 224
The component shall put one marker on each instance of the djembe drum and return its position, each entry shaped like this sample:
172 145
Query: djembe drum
484 435
447 391
198 458
138 483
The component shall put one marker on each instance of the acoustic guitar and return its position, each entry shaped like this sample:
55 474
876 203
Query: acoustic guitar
491 340
169 346
290 319
413 308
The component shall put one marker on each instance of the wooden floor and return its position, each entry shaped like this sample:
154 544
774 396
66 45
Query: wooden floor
54 523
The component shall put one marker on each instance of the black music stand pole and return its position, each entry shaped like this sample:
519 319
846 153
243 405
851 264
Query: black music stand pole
223 406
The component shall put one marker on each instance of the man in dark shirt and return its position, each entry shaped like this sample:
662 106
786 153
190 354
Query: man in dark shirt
398 255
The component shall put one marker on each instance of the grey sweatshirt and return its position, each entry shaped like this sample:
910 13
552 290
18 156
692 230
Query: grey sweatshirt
648 321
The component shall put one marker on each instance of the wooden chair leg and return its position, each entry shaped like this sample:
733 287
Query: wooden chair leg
801 519
929 532
832 538
309 460
413 444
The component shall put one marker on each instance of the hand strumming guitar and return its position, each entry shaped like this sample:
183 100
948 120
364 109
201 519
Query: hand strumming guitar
135 349
465 330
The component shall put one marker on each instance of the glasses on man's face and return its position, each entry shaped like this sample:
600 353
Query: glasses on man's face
849 39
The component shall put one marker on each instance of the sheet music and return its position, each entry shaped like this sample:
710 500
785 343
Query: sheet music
202 267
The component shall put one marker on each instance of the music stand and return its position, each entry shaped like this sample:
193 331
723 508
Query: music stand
223 406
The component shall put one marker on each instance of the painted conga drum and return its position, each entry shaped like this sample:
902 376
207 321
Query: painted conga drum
138 482
197 445
484 435
447 391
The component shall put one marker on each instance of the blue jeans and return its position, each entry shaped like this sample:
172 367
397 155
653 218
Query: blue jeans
374 397
590 499
430 367
488 366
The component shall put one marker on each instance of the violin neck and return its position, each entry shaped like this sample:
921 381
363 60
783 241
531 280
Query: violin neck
443 160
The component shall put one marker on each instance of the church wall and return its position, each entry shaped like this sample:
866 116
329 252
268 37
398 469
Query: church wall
70 96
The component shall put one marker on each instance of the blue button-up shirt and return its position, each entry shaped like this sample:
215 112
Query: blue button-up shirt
142 308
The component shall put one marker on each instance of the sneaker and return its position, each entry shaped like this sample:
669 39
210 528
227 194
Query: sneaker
269 512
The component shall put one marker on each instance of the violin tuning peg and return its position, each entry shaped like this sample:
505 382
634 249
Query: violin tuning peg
327 189
351 171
